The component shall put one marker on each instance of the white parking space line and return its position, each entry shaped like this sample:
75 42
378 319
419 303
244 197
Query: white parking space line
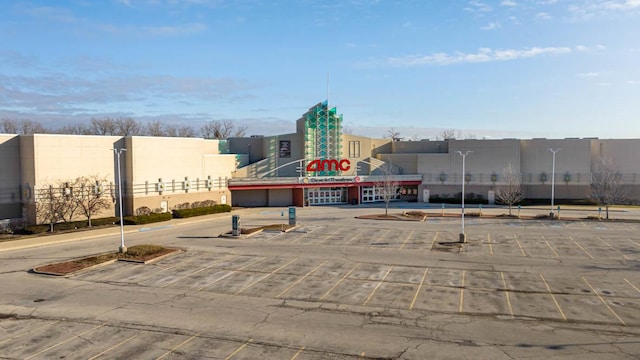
490 244
630 284
301 279
231 273
506 293
614 249
550 247
177 347
239 349
13 337
415 297
339 281
63 342
553 297
435 237
603 301
377 286
581 248
199 270
266 276
519 245
114 347
462 291
298 353
407 239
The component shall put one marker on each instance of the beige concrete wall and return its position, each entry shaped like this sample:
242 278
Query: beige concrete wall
406 163
625 153
420 147
486 157
10 181
70 156
48 159
573 160
184 167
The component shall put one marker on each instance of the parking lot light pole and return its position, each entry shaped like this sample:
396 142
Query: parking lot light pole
463 237
553 178
122 249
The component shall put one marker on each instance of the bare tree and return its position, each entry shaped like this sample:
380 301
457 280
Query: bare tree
222 129
449 134
91 195
49 205
155 128
392 134
185 131
68 201
240 131
170 130
127 127
106 126
510 191
388 188
8 126
75 129
606 184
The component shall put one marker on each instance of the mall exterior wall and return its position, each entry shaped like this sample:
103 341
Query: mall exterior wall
170 172
532 159
10 188
157 172
49 159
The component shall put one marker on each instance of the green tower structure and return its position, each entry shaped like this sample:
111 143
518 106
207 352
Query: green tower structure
321 127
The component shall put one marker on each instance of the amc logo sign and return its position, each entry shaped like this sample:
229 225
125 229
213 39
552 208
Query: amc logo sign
329 165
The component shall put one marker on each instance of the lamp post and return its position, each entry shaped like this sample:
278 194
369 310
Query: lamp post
553 177
463 236
122 249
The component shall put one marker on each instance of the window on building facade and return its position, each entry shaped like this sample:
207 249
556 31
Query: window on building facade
354 149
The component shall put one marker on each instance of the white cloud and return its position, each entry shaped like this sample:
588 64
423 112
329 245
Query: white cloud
633 82
478 6
508 3
588 75
543 16
491 26
167 30
589 9
483 55
621 5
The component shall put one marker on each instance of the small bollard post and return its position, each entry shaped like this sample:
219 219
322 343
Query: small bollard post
558 212
600 213
442 213
519 208
235 225
480 209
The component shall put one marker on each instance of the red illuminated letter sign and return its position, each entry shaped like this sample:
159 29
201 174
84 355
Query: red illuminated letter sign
345 164
332 164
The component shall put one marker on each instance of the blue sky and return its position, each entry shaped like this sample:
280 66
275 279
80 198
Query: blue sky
504 68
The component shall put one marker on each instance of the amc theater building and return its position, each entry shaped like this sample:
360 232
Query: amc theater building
315 165
319 165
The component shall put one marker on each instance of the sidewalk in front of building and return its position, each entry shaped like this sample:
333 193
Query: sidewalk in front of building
566 213
88 234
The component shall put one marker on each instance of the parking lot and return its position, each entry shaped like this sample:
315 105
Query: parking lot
339 287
